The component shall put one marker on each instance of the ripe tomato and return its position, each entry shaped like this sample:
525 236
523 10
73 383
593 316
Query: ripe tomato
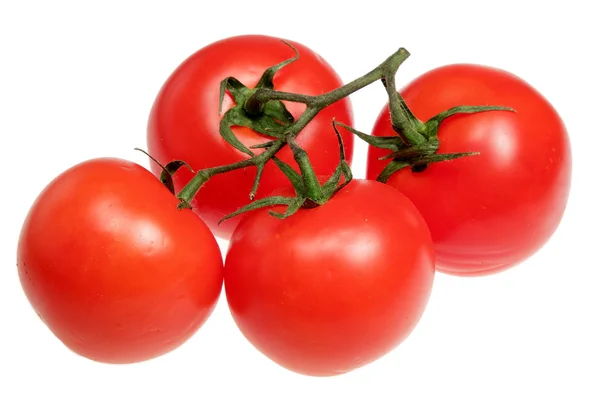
184 121
332 288
491 211
111 266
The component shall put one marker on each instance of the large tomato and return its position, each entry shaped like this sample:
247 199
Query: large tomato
332 288
111 266
491 211
184 121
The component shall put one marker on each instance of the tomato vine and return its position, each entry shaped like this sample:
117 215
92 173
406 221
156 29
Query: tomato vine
261 108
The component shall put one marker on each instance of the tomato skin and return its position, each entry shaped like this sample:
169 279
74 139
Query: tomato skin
184 121
333 288
492 211
111 266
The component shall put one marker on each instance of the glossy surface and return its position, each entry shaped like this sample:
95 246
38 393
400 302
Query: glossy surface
111 266
184 122
332 288
492 211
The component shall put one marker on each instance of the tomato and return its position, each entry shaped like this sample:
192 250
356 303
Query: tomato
184 120
491 211
332 288
111 266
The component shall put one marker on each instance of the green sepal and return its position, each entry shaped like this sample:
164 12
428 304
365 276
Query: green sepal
267 125
332 185
347 171
294 177
231 118
440 157
429 147
266 80
277 111
261 203
344 166
390 169
294 205
393 143
235 87
432 125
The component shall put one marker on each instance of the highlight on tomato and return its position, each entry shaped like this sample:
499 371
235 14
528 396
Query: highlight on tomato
112 267
332 288
492 210
186 122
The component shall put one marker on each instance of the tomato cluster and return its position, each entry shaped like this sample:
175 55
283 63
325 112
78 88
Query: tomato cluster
122 270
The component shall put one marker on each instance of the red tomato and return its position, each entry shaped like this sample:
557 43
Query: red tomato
488 212
332 288
184 121
111 266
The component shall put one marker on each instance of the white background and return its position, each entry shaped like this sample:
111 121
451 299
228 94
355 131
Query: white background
77 81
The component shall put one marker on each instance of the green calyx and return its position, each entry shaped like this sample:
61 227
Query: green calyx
417 143
309 191
270 118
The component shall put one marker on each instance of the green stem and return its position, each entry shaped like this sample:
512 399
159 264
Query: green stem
310 180
261 96
390 65
190 190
